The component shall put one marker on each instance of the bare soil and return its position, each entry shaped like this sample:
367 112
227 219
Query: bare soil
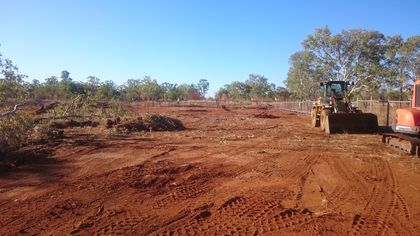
227 173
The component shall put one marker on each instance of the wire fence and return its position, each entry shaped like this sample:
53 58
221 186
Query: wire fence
385 110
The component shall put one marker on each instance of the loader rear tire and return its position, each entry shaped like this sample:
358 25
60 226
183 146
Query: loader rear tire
314 119
323 119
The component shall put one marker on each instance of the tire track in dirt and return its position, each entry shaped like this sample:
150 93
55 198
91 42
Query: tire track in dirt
192 187
258 213
275 165
386 210
300 170
111 221
353 185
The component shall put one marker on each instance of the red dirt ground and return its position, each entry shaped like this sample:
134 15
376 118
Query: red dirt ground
228 173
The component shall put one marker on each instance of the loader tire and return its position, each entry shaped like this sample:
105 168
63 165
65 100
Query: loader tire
314 118
323 119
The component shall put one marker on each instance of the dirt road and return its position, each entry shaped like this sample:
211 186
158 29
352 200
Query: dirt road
229 173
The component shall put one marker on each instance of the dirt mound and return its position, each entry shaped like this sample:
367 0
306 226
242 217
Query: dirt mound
134 124
32 155
152 122
163 123
264 106
111 122
266 115
72 123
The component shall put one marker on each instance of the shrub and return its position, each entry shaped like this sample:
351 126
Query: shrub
15 131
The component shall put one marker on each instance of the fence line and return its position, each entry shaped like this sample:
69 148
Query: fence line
385 110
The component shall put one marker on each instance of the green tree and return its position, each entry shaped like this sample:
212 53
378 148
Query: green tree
259 86
107 90
304 75
51 87
203 87
65 87
170 91
403 62
237 90
132 89
36 89
150 89
11 81
355 56
92 85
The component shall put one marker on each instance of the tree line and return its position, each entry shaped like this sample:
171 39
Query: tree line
379 66
13 87
254 88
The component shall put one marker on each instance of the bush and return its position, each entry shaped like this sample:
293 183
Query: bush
44 133
15 131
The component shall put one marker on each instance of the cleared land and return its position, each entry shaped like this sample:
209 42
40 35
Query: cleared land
231 172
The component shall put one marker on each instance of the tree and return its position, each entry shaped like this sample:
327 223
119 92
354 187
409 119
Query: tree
65 87
107 90
238 90
11 81
353 55
304 75
36 90
150 89
222 94
203 87
170 91
92 85
132 89
403 62
259 86
65 76
282 93
51 87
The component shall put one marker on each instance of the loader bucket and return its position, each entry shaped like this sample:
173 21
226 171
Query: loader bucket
351 123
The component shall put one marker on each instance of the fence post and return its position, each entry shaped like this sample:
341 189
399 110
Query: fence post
387 113
357 102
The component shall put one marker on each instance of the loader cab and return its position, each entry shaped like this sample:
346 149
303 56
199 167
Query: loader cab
335 89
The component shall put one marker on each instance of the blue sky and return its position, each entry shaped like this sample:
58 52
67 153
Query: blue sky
181 41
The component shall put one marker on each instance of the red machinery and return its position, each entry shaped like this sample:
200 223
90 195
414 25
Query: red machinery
406 129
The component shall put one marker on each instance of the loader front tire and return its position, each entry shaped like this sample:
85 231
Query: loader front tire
323 119
314 118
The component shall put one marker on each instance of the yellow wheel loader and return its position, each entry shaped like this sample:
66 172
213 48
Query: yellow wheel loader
334 113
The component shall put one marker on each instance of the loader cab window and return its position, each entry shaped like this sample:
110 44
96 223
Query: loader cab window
335 89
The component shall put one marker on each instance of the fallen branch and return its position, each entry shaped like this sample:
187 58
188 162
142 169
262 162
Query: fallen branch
75 116
17 106
12 112
67 117
71 105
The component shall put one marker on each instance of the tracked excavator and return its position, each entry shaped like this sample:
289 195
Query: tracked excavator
406 127
334 112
